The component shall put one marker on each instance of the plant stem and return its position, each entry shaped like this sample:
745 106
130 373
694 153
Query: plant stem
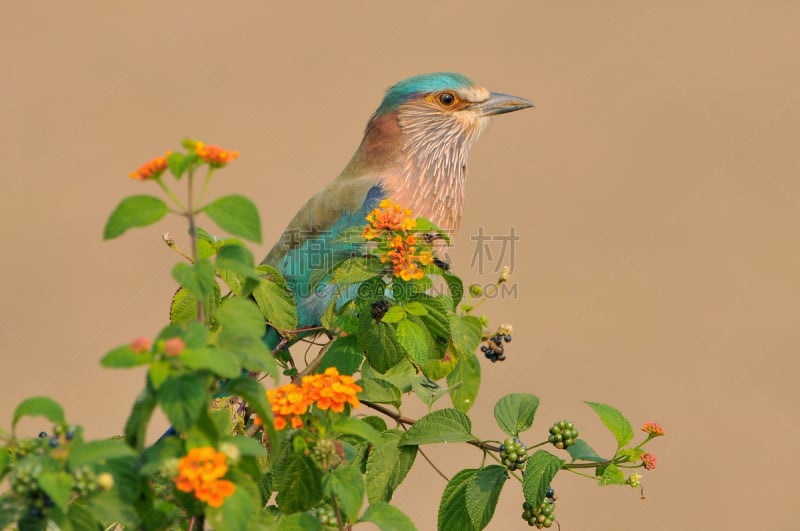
171 195
205 186
193 236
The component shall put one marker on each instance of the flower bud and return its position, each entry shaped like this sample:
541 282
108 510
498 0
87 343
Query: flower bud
105 481
141 344
174 346
231 451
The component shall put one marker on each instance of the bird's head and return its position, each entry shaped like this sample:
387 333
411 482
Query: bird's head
420 137
448 101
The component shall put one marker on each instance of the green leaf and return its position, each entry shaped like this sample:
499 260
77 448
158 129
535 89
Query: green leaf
379 391
380 343
39 406
358 428
456 287
415 308
614 421
242 327
429 392
538 475
182 398
298 482
345 485
394 314
387 518
134 211
10 511
157 455
124 356
219 361
345 354
467 333
443 425
178 163
183 308
93 452
197 278
57 485
437 321
355 269
136 426
80 517
256 397
482 493
464 382
277 304
237 215
426 225
159 372
515 412
612 476
583 452
119 504
240 318
300 522
235 263
248 445
387 466
5 460
453 514
239 510
416 340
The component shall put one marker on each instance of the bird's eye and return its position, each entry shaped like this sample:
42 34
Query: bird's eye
447 98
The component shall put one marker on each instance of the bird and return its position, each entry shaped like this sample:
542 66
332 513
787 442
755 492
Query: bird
414 152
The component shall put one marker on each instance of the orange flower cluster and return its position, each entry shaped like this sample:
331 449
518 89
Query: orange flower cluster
404 261
200 471
388 219
329 390
653 429
152 169
214 155
649 461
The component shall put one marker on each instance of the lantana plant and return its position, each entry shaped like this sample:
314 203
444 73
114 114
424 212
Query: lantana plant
260 441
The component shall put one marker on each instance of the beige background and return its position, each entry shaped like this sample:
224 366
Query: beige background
655 189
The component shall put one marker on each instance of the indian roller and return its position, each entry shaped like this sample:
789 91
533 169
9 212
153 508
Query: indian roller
414 152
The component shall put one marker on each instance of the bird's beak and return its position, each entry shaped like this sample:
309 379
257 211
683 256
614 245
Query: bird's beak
501 104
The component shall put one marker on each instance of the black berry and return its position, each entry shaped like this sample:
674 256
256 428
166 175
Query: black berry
379 309
42 434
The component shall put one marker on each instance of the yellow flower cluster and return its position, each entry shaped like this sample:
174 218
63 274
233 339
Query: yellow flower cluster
200 472
389 219
329 390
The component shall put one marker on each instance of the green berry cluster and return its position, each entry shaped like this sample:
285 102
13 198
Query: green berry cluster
85 481
326 516
328 453
563 434
513 453
542 516
23 478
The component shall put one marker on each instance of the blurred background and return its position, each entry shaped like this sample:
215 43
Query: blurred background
654 189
